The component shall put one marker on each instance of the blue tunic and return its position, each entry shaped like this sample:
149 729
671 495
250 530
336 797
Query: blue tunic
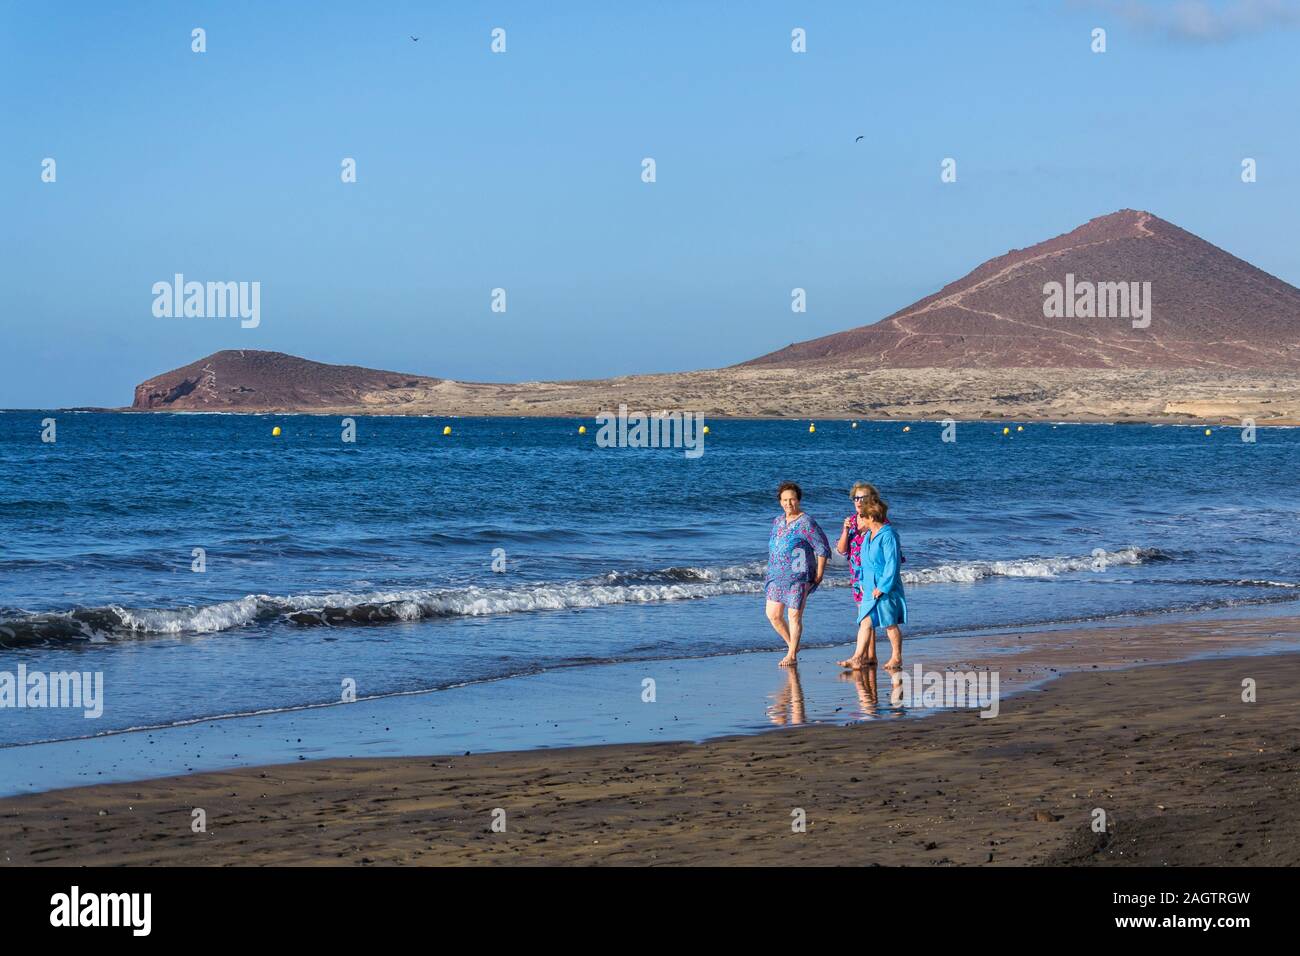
879 571
792 550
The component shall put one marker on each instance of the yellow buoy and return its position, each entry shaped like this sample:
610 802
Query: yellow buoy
582 429
812 428
275 432
1208 431
1020 428
706 429
855 424
1006 431
446 430
907 428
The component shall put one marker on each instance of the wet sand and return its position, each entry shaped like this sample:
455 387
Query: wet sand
1186 772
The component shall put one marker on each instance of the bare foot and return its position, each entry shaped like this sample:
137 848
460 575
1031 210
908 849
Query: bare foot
788 661
894 664
852 662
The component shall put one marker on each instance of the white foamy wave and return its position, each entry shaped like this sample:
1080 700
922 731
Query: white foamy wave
966 572
616 587
201 620
379 606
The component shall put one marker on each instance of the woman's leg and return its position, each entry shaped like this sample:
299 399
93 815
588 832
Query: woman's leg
865 652
795 618
776 617
895 662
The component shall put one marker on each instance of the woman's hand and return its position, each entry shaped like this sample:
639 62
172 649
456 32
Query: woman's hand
846 535
876 593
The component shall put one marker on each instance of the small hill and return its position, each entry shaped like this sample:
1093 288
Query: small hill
248 380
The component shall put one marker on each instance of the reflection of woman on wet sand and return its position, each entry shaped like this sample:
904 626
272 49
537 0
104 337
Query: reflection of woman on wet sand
864 680
896 692
788 708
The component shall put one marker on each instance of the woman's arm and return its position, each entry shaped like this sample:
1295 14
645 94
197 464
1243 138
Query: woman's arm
842 546
771 551
821 547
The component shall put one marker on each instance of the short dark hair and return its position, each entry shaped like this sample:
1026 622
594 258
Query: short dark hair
789 486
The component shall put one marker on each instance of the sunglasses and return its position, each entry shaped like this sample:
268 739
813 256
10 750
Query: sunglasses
862 497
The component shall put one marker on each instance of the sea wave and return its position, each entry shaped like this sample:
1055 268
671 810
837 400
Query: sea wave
966 572
113 621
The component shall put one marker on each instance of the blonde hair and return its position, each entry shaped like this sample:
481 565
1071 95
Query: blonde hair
877 510
872 493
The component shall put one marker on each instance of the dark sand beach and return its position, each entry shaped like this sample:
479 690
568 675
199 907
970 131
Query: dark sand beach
1186 772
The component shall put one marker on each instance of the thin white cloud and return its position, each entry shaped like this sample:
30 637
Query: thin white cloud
1203 21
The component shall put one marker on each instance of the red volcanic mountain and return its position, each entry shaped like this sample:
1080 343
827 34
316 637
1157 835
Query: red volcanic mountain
241 379
1208 309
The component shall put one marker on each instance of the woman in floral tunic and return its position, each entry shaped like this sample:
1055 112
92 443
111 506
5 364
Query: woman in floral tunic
794 540
854 531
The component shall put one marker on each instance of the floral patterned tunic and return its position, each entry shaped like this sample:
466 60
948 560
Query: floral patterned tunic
856 537
791 550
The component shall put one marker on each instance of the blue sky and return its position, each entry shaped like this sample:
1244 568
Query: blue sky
523 171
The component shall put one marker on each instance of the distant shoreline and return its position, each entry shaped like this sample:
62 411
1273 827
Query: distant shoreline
1193 397
1222 421
271 383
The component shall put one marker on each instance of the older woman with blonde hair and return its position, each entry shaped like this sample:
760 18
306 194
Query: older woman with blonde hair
855 526
875 559
852 535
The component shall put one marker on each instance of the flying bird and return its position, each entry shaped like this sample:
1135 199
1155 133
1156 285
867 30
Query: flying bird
414 39
859 139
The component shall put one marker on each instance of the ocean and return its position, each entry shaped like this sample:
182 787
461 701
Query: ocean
409 561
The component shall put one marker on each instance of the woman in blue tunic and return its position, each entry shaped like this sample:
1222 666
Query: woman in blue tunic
877 575
795 539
